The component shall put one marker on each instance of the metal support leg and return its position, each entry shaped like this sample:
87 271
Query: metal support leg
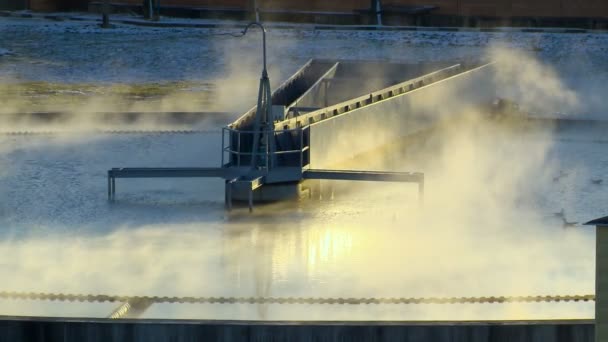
113 188
105 15
421 192
225 194
378 12
257 126
228 195
250 200
156 16
320 191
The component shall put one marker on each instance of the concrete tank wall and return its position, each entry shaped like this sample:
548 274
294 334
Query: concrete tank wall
102 330
345 136
465 8
13 5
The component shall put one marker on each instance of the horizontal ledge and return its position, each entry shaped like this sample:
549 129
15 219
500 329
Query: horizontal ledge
414 177
186 172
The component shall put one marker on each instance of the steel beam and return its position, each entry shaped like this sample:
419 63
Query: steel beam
376 176
167 172
373 176
162 172
372 98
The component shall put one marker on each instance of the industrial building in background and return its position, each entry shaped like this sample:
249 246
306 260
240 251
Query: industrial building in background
589 14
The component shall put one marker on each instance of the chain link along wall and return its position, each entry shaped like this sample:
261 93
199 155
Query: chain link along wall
293 300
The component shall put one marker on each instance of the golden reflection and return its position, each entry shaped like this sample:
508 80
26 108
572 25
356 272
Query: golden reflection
275 257
325 248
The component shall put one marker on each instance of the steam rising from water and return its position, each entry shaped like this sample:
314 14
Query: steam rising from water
537 88
232 93
485 229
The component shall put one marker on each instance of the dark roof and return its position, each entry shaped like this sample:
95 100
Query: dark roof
599 222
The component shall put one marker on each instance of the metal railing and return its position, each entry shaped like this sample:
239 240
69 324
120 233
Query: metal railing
234 141
374 97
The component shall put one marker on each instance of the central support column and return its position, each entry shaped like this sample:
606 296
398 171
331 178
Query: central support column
263 137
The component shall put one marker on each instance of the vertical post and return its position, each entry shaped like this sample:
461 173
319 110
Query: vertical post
256 126
150 9
601 283
145 7
113 188
301 148
109 186
252 9
377 8
228 194
105 14
601 278
421 190
238 149
256 11
325 86
270 142
156 16
263 118
250 199
320 191
267 150
224 144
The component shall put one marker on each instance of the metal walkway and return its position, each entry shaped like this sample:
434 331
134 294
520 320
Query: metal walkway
169 172
248 184
374 176
320 114
370 176
161 172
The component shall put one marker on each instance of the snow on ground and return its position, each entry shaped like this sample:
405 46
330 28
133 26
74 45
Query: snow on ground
173 237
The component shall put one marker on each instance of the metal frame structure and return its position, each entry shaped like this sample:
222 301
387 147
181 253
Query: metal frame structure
263 120
268 156
262 150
